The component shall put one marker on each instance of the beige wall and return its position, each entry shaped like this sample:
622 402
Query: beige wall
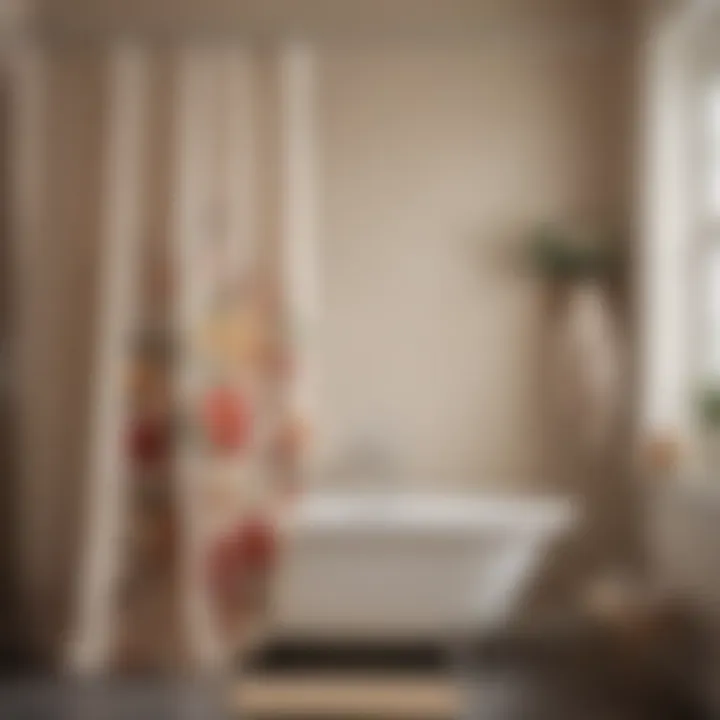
437 159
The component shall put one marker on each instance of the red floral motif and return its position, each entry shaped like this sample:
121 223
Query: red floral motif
239 557
257 543
227 419
148 441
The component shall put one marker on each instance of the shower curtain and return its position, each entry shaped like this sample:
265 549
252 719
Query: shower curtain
196 432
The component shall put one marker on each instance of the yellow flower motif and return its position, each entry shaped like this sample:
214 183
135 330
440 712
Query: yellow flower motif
234 338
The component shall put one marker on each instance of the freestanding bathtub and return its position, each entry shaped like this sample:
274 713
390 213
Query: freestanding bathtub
409 565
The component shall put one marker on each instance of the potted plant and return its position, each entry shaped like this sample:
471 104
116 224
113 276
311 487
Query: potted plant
566 257
582 277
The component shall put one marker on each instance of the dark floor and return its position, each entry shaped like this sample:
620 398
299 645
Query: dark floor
559 675
526 692
502 694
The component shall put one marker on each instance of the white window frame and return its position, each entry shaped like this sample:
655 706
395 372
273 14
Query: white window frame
705 227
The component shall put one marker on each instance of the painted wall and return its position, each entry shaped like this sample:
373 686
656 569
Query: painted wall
437 160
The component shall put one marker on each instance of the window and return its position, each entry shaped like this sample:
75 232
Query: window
709 231
712 133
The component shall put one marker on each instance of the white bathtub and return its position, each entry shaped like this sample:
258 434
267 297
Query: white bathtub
409 565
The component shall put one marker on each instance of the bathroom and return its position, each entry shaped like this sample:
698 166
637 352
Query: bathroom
347 217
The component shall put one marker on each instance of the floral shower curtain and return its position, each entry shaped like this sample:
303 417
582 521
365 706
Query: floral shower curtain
203 454
208 442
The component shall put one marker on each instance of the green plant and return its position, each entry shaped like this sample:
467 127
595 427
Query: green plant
709 406
565 255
